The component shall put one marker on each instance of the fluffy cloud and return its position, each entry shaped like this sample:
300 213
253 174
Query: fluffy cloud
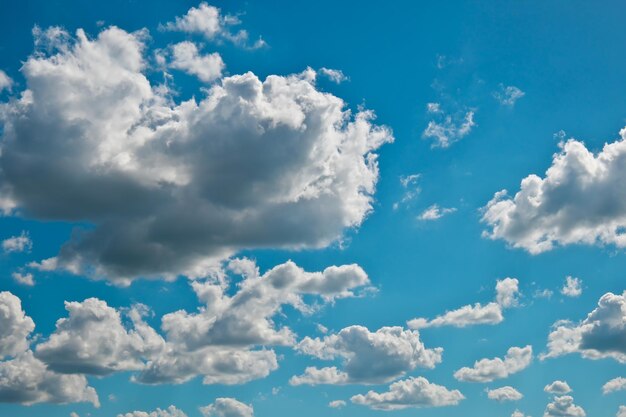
171 411
337 404
447 128
15 326
219 341
409 393
507 96
19 243
558 387
507 293
368 357
186 57
5 81
580 201
602 334
622 411
563 407
435 212
26 380
486 370
227 407
615 384
518 413
23 278
336 76
93 340
209 22
174 188
572 287
504 394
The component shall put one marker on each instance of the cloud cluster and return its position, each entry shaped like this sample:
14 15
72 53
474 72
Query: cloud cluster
173 188
558 387
19 243
486 370
409 393
580 200
563 407
602 334
170 411
185 56
572 287
504 394
15 326
448 128
368 357
615 384
227 407
507 294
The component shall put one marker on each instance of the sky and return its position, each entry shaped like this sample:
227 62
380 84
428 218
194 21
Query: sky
237 209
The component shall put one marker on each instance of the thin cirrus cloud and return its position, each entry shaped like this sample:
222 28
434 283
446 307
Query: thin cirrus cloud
580 200
174 188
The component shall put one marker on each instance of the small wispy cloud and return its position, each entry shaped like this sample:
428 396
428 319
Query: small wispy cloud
446 129
435 212
508 95
335 75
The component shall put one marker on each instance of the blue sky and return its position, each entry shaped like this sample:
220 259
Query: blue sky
169 162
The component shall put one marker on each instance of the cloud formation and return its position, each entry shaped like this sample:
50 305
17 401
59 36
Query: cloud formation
615 384
435 212
447 129
19 243
572 287
227 407
558 387
487 370
409 393
504 394
508 95
170 411
563 407
579 201
15 326
174 188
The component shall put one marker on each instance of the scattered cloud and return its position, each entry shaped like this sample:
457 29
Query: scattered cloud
508 95
170 411
23 278
227 407
337 404
572 287
563 407
487 370
21 243
602 334
504 394
410 184
435 212
558 387
335 75
622 411
5 81
447 129
579 201
410 393
615 384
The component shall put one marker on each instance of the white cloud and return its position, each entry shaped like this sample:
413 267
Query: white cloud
368 357
337 404
545 293
572 287
615 384
209 22
622 411
15 326
558 387
410 393
579 201
563 407
410 183
21 243
602 334
336 76
486 370
172 189
5 81
435 212
507 293
227 407
504 394
518 413
186 57
448 129
93 340
507 96
433 108
170 411
23 278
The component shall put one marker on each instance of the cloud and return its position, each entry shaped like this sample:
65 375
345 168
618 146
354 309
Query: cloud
5 81
15 326
227 407
337 404
563 407
172 189
507 293
209 22
336 76
507 96
558 387
487 370
21 243
219 341
579 201
518 413
622 411
410 393
615 384
170 411
448 129
435 212
572 287
410 183
602 334
23 278
368 357
186 57
504 394
93 340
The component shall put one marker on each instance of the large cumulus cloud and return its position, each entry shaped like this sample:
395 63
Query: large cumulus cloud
171 188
